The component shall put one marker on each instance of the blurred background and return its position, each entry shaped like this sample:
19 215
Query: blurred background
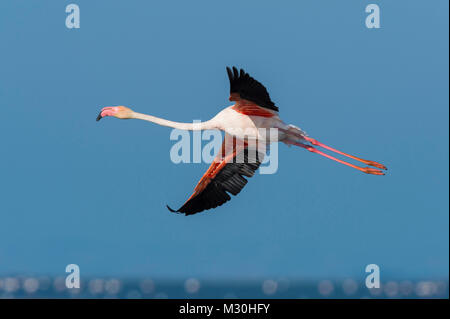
74 191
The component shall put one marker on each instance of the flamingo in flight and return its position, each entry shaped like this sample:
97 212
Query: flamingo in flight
243 148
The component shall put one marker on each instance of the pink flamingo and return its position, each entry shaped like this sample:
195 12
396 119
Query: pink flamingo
245 124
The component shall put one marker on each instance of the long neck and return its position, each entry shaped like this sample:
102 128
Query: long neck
208 125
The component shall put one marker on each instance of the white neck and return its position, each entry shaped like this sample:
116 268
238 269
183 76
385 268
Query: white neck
208 125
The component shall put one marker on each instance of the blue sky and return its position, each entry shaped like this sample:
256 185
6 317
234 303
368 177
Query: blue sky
77 191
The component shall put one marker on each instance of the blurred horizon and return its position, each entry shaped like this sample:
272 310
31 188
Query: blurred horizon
147 288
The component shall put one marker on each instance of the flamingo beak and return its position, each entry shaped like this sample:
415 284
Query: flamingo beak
107 111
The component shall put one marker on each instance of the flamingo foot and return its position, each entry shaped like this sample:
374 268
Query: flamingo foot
374 164
370 170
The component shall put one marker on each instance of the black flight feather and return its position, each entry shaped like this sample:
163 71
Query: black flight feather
249 89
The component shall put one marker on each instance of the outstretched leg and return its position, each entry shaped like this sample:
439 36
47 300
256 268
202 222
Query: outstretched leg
371 163
368 170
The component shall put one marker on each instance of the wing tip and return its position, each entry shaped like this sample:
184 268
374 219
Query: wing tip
178 211
241 82
172 210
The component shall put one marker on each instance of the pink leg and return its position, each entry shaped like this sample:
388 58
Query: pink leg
371 163
367 170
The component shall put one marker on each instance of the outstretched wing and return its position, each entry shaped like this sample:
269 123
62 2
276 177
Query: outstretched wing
225 175
243 86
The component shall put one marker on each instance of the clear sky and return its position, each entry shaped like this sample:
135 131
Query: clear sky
74 190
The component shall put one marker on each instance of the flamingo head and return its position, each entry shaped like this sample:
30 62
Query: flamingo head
121 112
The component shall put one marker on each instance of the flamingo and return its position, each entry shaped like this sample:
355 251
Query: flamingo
245 124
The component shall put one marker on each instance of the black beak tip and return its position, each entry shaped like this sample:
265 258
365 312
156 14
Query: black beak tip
99 116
